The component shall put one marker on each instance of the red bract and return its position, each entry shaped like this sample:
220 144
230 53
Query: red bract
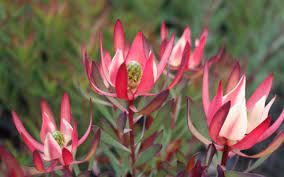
235 122
57 144
132 71
13 168
178 49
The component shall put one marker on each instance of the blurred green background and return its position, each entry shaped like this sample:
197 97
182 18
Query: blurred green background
40 48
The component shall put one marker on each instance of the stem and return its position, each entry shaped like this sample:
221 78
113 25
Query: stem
131 138
225 155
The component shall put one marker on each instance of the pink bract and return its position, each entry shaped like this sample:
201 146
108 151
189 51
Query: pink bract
234 121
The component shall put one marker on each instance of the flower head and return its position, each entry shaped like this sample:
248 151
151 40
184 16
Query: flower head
132 71
57 144
234 121
176 55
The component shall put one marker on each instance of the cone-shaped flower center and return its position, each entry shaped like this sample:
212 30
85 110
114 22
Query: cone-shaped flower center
134 71
59 138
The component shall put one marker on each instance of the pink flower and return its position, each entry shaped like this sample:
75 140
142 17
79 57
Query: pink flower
132 71
57 144
234 121
176 55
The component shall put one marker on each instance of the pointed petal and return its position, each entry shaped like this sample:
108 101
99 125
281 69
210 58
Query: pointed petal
67 130
162 48
216 103
115 65
205 90
238 93
165 58
235 125
67 156
65 111
186 35
52 149
272 128
88 69
105 62
182 68
93 83
217 123
86 62
258 113
137 50
147 78
176 55
28 143
262 90
46 111
25 135
38 161
250 139
234 77
121 83
85 136
198 51
276 143
48 123
163 31
74 137
118 36
193 130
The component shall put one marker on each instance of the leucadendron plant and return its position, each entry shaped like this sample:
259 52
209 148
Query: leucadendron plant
234 122
58 144
133 72
148 137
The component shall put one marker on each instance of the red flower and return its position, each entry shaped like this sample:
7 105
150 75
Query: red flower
131 71
235 122
176 55
57 144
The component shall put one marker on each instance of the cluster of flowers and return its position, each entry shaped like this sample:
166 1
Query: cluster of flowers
234 123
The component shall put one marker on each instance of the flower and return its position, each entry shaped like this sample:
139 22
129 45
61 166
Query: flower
132 71
57 144
176 55
236 122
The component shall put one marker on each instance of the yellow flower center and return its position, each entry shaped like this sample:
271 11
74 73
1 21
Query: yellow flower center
134 71
59 138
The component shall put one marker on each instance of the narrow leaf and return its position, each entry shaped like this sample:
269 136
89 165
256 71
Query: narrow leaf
241 174
155 103
148 154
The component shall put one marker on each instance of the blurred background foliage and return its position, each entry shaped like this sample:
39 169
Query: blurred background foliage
40 48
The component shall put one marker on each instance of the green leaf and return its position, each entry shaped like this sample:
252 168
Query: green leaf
257 163
148 154
241 174
111 141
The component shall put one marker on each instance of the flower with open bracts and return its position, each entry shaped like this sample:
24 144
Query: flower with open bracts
176 56
237 123
58 145
132 71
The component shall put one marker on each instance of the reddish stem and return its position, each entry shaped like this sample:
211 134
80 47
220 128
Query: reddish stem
225 155
131 138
